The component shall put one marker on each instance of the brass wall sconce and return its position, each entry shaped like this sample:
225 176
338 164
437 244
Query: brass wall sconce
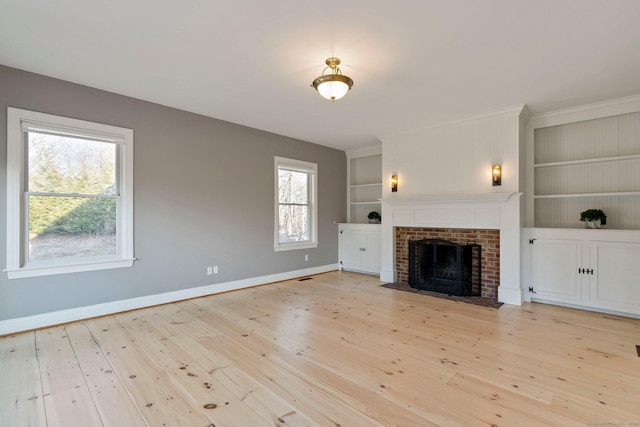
394 183
496 174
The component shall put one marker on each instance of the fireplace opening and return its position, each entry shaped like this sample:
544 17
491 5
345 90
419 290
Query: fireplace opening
446 267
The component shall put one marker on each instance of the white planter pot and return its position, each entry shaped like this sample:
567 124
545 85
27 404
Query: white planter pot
592 224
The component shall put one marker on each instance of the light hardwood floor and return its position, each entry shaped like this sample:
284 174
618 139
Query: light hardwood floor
336 350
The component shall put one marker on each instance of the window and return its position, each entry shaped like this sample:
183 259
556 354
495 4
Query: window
69 195
296 204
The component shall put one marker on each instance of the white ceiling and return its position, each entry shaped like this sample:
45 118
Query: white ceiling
414 63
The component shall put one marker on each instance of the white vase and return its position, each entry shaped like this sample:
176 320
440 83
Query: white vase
592 224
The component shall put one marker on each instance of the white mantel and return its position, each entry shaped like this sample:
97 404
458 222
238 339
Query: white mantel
499 211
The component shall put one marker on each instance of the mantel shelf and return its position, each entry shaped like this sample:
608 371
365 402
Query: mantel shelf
376 202
453 198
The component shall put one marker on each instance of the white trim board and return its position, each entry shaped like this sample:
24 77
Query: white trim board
585 308
598 110
22 324
373 150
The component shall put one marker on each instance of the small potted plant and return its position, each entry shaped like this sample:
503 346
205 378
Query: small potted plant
374 217
593 218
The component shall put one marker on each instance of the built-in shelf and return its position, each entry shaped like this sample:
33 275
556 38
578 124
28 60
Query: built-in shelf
365 185
375 184
586 161
590 164
612 193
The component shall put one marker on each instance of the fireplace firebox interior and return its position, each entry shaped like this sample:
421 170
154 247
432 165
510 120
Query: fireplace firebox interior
446 267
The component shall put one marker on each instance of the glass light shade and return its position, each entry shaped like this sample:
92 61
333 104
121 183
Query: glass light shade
332 85
496 172
333 90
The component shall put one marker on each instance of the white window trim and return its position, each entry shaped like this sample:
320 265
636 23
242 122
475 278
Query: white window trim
307 167
16 228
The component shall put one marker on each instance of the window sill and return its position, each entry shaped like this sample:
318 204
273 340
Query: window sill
48 270
294 246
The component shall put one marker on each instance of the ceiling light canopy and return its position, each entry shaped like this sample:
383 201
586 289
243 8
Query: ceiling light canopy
333 85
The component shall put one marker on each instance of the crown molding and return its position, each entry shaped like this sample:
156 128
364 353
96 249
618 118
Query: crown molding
598 110
514 111
372 150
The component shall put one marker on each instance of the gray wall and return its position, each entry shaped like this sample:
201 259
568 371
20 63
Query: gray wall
203 194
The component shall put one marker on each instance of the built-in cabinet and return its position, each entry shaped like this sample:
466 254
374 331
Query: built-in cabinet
579 159
360 247
365 185
594 269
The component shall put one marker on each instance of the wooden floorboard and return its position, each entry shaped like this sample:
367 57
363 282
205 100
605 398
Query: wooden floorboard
336 350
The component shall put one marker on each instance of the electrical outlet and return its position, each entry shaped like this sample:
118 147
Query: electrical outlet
215 269
209 271
306 257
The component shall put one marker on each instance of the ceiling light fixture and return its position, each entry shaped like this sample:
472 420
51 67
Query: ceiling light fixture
333 85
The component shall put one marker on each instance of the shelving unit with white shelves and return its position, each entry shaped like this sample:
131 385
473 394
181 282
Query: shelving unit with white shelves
577 159
364 190
587 164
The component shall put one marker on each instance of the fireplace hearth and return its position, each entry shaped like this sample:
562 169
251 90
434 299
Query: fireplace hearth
446 267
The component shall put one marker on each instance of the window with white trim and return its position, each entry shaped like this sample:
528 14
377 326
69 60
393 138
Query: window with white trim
69 195
296 207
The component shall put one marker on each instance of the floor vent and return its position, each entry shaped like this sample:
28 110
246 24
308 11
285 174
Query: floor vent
304 278
638 350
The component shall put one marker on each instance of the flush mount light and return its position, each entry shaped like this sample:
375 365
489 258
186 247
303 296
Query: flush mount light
332 85
496 173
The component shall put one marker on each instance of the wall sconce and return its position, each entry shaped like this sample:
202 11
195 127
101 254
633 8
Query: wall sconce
496 174
394 183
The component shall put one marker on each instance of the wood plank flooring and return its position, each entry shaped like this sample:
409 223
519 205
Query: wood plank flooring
336 350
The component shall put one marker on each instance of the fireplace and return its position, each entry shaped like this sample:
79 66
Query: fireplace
490 220
489 240
443 266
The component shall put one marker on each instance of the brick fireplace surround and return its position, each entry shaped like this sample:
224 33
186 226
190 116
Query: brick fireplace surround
488 239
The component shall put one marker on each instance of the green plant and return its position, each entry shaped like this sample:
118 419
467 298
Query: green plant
593 215
373 215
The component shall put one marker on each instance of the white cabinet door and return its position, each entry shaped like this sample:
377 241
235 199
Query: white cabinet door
614 284
371 255
360 247
350 241
555 270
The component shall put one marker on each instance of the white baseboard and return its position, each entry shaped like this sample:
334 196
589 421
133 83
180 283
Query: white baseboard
21 324
586 308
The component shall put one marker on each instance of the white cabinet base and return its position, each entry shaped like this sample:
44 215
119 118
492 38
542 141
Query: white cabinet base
360 248
590 269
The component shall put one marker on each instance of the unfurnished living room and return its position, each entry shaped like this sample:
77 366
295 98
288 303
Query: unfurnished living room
285 213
